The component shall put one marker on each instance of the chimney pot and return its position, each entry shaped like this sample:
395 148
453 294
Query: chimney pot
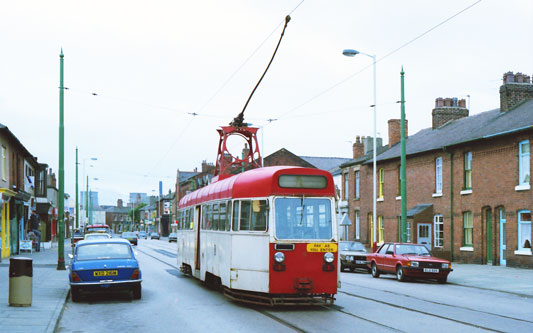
358 148
512 95
452 109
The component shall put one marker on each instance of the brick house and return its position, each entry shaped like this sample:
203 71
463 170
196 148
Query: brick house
468 181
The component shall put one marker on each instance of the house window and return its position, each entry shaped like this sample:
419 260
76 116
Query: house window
523 163
438 175
381 180
357 224
381 229
357 184
524 230
438 226
468 229
4 162
346 187
468 171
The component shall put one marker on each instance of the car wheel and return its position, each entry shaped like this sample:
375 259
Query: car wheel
399 274
375 272
137 291
75 293
442 280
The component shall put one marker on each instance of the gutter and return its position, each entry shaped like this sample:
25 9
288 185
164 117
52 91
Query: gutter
508 132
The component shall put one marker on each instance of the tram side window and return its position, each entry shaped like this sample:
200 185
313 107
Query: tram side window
206 223
190 223
245 215
259 215
179 219
214 221
222 216
236 214
228 215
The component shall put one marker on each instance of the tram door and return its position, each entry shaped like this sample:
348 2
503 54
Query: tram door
198 215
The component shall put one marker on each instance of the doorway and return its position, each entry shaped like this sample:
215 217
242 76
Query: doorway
489 235
503 238
424 234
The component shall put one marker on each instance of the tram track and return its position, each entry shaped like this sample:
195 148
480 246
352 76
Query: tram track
429 301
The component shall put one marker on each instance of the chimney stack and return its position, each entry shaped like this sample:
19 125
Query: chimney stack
358 148
119 203
245 151
395 134
446 110
369 143
516 89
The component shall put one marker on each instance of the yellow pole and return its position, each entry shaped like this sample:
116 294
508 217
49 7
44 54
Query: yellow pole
8 227
3 235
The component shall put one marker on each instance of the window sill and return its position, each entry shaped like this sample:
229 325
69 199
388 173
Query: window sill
466 249
436 195
524 187
380 200
399 198
523 252
465 192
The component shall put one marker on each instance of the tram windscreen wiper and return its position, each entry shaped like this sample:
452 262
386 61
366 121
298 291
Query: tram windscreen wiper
302 205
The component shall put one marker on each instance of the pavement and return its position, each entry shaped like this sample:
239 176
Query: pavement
50 289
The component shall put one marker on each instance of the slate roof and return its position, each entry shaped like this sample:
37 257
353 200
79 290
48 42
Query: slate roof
118 210
367 157
417 209
481 126
330 164
184 175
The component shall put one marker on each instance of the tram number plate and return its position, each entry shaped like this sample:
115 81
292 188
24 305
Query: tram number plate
321 247
105 273
431 270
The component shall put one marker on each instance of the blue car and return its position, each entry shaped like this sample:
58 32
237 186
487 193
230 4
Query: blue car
104 264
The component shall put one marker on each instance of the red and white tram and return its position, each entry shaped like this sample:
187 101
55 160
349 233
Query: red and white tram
267 235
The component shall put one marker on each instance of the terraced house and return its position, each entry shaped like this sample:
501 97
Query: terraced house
469 195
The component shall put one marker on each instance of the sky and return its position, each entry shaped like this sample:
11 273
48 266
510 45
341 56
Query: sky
137 71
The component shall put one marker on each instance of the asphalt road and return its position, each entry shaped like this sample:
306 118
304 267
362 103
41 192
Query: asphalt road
175 303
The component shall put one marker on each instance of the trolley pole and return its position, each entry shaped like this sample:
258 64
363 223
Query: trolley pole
403 162
61 172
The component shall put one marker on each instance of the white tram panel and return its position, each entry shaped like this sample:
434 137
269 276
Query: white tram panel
249 261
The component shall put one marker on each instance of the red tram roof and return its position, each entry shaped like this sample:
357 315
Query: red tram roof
260 182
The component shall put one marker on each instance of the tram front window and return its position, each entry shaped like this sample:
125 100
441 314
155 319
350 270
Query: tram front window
302 218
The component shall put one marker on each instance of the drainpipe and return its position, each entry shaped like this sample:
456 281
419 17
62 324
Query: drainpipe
450 155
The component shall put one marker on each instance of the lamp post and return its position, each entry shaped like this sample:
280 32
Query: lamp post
61 174
352 53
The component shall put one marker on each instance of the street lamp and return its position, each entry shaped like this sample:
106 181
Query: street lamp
352 53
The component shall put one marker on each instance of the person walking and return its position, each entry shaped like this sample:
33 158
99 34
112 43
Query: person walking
34 224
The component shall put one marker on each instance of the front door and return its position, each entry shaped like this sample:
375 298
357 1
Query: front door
489 236
424 234
503 241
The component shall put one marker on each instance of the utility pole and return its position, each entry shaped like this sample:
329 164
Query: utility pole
77 193
61 173
402 165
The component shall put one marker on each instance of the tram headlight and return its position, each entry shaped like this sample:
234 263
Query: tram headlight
329 257
279 257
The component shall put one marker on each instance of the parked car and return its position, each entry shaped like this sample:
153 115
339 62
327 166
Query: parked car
154 235
97 228
77 235
352 256
97 235
407 260
130 236
143 234
173 237
103 264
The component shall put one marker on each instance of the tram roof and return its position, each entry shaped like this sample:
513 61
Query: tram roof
260 182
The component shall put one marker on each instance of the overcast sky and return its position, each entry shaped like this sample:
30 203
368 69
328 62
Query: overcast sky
151 63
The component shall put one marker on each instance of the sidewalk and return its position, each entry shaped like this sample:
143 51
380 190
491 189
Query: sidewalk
517 281
49 293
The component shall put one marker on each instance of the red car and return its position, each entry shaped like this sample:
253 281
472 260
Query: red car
407 260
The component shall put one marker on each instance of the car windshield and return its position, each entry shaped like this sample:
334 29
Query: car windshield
351 246
172 235
303 218
103 251
419 250
128 234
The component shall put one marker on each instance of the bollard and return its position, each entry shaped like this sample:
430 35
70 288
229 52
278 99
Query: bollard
20 281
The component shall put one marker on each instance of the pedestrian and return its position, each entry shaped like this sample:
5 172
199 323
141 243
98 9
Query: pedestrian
34 225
